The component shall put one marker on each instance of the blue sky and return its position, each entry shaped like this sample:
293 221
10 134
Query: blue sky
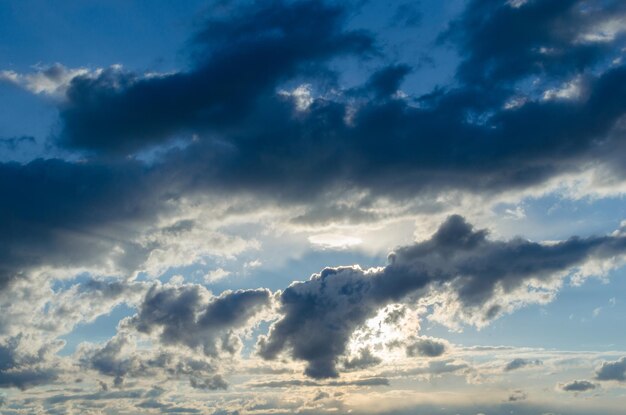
374 207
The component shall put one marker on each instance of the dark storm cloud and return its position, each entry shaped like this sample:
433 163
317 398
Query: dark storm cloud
57 213
502 43
457 137
237 60
578 386
253 140
183 315
64 213
12 143
612 370
521 363
320 315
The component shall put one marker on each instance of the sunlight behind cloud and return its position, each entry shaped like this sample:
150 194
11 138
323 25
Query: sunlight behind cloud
334 241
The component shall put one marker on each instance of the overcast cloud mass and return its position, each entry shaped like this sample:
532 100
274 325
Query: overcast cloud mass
313 206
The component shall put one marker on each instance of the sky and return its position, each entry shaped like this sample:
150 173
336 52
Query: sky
278 207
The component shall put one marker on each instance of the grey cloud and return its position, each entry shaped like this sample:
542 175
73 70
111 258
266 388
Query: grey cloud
494 40
519 363
236 60
578 386
129 394
12 143
374 381
517 395
363 360
320 315
433 368
214 382
91 213
61 219
426 347
116 359
612 370
184 315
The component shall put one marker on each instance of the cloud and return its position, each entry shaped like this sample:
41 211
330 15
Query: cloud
517 396
237 60
612 370
520 363
247 139
496 47
214 382
12 143
120 359
23 370
187 315
320 315
363 360
58 221
426 347
374 381
53 80
578 386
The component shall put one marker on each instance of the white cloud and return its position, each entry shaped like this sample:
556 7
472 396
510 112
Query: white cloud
216 275
334 241
50 80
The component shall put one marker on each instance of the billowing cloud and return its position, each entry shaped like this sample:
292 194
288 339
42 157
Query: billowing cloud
497 47
23 370
266 118
320 315
187 315
237 61
363 360
238 134
612 370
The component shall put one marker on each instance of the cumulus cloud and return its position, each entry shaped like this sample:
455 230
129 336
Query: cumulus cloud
119 358
612 370
520 363
363 360
187 315
578 386
23 370
320 315
426 347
